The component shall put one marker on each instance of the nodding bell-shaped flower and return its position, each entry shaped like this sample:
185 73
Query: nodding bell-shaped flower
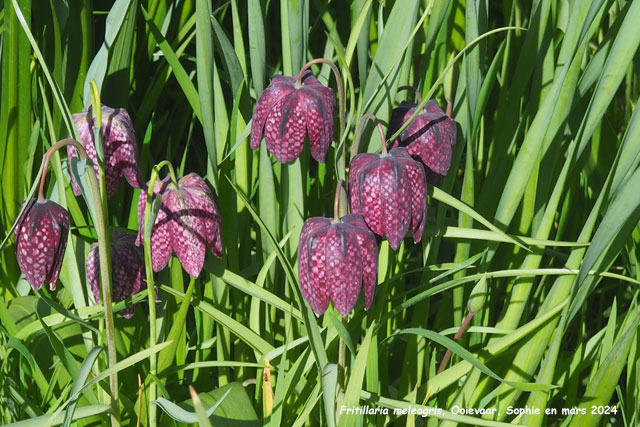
337 258
41 238
187 223
127 263
430 137
120 147
287 111
390 191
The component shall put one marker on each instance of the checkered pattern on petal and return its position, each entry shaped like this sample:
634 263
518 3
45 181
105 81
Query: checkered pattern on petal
41 238
319 110
285 129
368 255
312 264
127 270
371 203
161 245
396 198
120 147
390 192
158 188
430 136
343 267
186 231
279 87
355 195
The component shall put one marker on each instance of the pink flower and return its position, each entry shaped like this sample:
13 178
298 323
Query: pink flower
335 260
128 270
285 114
430 137
187 223
120 147
390 191
41 238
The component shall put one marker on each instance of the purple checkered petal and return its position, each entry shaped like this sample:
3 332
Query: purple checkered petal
395 193
41 238
390 192
161 245
203 205
319 111
371 196
280 86
120 147
368 255
430 136
186 231
357 163
127 270
285 129
158 188
312 262
335 260
343 267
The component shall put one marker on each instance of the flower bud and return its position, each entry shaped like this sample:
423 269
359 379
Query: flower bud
41 238
478 296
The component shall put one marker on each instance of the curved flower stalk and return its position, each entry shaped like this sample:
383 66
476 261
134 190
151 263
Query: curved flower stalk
41 239
336 259
187 223
430 137
128 270
290 109
389 190
120 147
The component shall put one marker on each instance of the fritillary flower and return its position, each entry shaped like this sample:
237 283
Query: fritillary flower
120 148
288 110
127 263
41 238
187 223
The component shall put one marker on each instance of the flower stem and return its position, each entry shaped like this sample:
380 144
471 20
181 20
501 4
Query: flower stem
336 200
356 141
342 357
414 90
151 294
104 248
99 201
463 327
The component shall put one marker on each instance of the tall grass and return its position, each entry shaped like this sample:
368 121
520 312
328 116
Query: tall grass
541 202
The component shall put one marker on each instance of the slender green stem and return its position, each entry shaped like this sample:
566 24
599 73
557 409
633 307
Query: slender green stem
336 201
104 249
342 359
104 253
151 284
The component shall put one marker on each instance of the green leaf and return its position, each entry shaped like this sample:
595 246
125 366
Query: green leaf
83 374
